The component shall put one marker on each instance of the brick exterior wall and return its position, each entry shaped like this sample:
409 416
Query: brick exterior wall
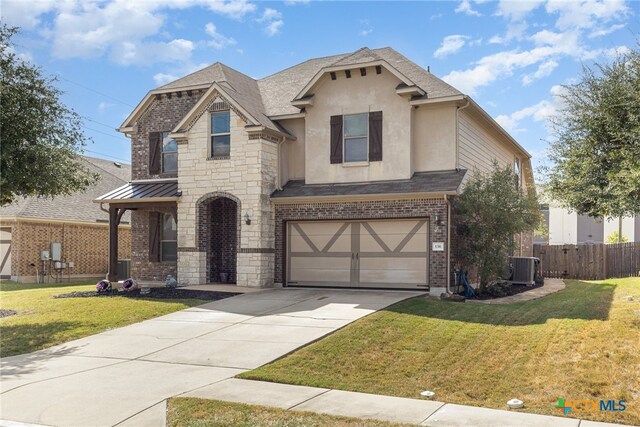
162 115
390 209
142 268
218 229
87 245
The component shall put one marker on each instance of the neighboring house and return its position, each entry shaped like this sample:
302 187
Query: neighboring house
569 228
31 225
334 172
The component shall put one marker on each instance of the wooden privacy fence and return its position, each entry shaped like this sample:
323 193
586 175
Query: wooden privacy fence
589 261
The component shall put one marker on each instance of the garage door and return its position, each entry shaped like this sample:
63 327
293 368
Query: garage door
5 253
377 254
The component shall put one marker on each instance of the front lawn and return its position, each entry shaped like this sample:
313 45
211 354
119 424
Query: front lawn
580 343
42 321
203 412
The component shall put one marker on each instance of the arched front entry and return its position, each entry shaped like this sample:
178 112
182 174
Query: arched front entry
219 235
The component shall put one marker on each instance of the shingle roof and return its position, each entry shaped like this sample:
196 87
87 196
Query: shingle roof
272 95
78 206
420 182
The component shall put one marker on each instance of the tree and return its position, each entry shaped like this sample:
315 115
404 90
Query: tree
489 212
40 137
616 237
595 155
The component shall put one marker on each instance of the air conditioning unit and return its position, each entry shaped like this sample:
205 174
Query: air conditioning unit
524 270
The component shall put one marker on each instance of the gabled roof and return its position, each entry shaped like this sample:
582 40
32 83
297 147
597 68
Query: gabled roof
78 206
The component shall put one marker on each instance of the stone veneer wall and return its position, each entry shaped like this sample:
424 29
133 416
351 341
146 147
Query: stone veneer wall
87 245
142 268
387 209
247 177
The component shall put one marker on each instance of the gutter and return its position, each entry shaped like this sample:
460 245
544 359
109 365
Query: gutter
448 290
458 133
278 165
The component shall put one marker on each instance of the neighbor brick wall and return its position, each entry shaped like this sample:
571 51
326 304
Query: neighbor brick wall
162 115
142 268
87 245
368 210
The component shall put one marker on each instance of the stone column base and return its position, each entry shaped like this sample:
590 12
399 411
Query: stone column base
255 269
192 268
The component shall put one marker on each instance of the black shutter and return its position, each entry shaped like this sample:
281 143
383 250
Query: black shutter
155 145
336 139
155 222
375 136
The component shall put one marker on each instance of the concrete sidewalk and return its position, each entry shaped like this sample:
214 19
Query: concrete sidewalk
371 406
123 376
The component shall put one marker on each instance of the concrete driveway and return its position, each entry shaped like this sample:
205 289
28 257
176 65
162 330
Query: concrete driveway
123 376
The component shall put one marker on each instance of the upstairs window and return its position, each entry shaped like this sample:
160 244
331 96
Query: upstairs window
220 134
516 170
169 154
356 137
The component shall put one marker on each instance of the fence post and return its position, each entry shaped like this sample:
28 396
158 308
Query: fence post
604 257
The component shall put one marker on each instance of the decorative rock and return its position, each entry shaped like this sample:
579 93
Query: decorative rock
629 298
428 394
515 404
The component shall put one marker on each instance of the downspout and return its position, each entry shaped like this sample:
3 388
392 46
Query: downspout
448 243
278 165
458 133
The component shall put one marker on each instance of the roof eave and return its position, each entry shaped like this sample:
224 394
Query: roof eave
362 197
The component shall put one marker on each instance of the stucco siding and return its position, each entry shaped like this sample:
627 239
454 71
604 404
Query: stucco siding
293 161
434 138
358 94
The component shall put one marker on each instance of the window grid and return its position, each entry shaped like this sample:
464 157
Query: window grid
346 139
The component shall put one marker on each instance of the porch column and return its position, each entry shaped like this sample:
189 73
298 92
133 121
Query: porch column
115 214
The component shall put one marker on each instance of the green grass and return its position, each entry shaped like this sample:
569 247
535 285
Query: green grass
580 343
42 321
202 412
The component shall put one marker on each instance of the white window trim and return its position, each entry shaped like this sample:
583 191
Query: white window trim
162 153
346 162
211 134
163 240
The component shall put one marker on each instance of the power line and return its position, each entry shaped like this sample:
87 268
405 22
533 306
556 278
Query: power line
97 122
104 133
98 92
106 155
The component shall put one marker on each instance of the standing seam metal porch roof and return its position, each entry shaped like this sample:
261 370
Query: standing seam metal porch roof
142 192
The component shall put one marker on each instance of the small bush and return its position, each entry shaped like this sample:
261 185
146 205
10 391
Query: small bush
497 289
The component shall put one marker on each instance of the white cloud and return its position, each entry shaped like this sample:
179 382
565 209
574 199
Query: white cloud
296 2
517 10
146 53
25 14
120 29
274 21
218 41
365 32
450 45
586 13
164 78
466 8
104 106
545 69
538 112
606 30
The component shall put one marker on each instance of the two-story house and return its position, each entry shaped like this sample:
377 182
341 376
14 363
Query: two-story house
338 171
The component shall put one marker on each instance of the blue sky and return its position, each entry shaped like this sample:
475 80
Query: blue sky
510 56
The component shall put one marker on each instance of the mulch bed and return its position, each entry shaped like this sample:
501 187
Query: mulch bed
155 293
511 290
6 313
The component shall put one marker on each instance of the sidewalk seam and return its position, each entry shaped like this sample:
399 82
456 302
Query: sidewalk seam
306 400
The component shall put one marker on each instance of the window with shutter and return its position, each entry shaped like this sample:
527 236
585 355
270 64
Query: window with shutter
375 136
336 139
154 236
155 146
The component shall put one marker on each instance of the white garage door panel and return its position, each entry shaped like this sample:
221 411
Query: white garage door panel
377 253
5 253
